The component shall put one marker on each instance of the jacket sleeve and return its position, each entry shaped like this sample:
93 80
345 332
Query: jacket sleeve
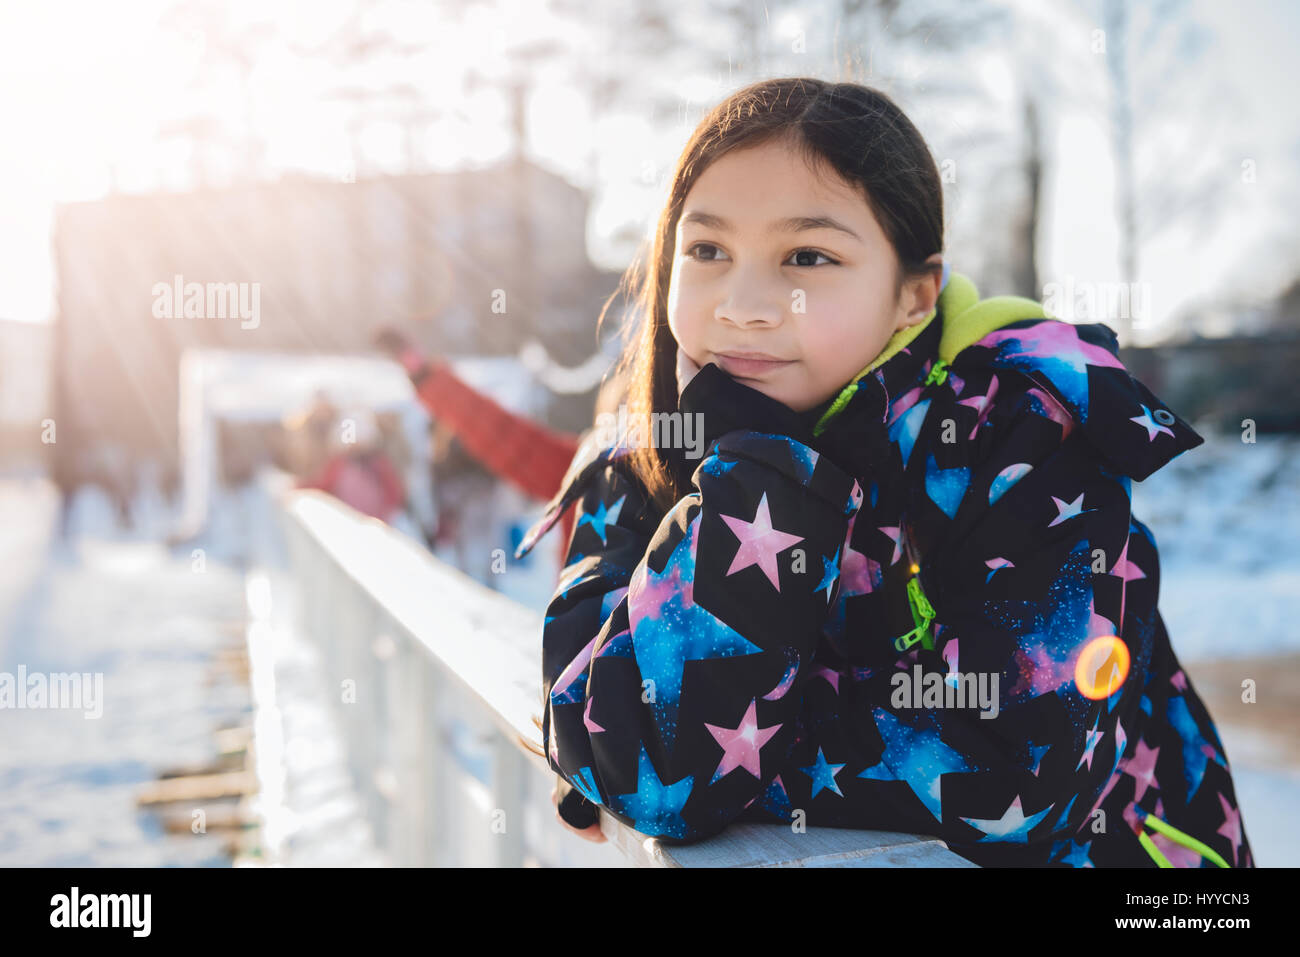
1044 590
676 645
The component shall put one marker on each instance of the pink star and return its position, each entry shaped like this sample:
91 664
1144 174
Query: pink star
741 744
832 676
858 573
980 404
592 726
1231 826
552 746
893 532
759 542
996 564
1125 569
1142 766
950 655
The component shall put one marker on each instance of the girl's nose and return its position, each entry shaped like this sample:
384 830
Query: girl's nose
752 304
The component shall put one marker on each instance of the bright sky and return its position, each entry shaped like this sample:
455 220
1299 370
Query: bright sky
88 84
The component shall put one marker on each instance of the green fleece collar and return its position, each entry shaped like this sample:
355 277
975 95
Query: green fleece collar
967 319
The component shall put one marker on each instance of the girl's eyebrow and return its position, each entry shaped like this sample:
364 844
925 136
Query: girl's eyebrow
791 224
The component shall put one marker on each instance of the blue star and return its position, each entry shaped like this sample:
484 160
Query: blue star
917 756
602 516
715 465
1065 815
945 486
585 782
670 629
823 775
655 807
1078 856
802 458
830 572
775 801
1038 753
572 693
907 427
1194 759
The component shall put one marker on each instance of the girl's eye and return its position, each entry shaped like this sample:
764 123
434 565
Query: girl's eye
798 252
814 253
692 252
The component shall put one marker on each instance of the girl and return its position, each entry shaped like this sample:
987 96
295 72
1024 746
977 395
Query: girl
902 588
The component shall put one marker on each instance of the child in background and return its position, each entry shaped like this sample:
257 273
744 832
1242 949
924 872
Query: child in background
902 588
358 470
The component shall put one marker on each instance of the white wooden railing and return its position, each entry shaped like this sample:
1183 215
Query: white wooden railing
436 679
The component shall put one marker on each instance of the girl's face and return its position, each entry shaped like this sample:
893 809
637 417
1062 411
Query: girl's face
771 260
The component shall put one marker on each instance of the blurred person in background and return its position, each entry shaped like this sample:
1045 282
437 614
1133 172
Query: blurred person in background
307 436
511 447
358 470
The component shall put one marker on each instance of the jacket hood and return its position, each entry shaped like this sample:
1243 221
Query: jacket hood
1079 380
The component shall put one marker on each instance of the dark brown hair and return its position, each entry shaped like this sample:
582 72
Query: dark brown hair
854 130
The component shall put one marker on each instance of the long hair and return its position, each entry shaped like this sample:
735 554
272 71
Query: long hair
858 132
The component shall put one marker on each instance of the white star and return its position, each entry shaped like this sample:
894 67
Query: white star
1013 827
1066 511
1152 428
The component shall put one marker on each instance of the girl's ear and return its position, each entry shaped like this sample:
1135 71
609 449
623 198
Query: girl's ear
921 294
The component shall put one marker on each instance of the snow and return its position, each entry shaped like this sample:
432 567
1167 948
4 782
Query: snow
143 617
1225 520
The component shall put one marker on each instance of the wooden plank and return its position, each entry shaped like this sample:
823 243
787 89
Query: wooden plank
198 787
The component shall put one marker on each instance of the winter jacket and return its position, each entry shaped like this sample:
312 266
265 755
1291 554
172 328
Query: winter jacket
925 606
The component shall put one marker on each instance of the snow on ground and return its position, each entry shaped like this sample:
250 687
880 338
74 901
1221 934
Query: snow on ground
1226 522
112 602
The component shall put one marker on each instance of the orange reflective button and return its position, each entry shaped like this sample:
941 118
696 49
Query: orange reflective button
1102 667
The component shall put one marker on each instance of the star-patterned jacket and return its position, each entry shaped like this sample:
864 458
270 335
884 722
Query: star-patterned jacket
925 606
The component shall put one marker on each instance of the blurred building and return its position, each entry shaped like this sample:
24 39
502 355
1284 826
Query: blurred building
474 262
24 391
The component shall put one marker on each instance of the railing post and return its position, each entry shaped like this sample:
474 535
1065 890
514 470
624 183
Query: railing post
508 799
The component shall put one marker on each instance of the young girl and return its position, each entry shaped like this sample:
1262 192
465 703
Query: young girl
902 588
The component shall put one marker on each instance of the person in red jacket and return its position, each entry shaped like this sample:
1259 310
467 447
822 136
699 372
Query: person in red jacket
530 456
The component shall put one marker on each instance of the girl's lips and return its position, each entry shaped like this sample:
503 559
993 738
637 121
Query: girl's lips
745 367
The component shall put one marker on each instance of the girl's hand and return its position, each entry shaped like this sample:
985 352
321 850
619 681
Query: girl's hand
686 370
592 833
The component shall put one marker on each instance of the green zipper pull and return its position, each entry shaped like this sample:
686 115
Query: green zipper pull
922 614
938 373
